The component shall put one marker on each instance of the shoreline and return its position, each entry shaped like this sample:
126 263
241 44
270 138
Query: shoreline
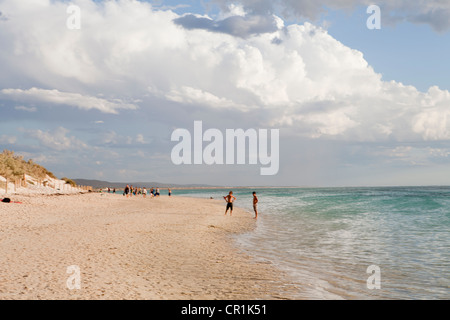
158 249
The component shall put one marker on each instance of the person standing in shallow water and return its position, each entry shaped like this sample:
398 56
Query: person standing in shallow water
255 205
229 199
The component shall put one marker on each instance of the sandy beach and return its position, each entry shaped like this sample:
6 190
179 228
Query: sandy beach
160 249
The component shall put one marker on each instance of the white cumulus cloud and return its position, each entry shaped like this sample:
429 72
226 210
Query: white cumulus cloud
57 139
64 98
296 77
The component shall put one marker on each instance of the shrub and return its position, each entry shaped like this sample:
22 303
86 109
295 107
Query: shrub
69 181
14 167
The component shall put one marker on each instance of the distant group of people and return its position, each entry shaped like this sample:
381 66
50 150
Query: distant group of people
130 191
230 200
113 190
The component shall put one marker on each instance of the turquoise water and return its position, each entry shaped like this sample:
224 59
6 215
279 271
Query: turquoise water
326 238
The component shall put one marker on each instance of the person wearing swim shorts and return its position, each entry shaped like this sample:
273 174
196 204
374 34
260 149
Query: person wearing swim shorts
229 199
255 205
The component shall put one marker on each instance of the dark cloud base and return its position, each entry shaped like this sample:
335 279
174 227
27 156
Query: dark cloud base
236 26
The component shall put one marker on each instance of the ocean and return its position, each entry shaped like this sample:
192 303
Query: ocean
329 240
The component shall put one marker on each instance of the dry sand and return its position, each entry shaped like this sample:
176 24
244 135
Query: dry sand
162 248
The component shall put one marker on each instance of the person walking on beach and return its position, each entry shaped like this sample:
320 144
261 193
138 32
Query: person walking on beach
127 191
229 199
170 192
255 205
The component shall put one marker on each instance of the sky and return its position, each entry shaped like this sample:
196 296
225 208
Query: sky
98 93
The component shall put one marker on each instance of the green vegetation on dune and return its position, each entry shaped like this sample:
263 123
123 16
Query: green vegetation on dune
70 181
14 167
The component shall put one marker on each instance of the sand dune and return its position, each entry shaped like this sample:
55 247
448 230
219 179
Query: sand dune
33 186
